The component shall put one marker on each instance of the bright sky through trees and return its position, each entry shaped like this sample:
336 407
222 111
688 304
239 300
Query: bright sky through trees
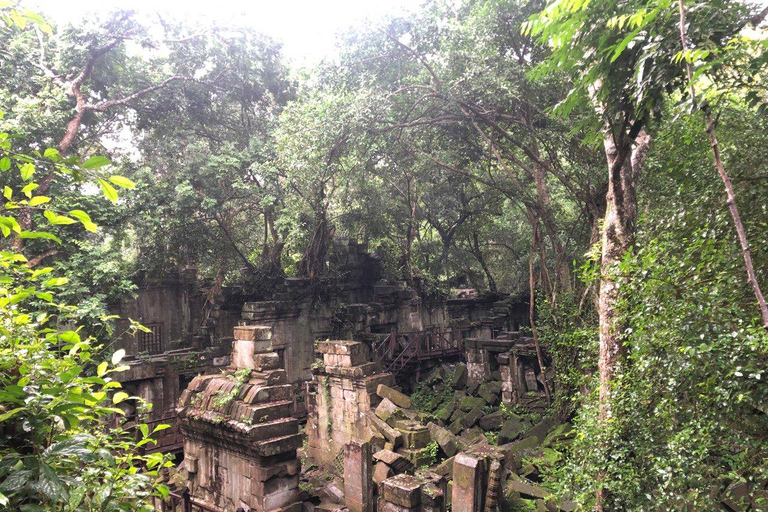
306 27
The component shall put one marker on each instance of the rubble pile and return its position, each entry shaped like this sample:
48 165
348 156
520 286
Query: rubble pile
448 416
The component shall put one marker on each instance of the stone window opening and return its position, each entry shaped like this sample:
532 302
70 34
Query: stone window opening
151 342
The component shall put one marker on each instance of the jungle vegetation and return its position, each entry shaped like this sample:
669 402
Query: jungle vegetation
609 157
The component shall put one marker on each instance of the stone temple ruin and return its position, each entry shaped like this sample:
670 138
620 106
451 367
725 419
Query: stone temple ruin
369 398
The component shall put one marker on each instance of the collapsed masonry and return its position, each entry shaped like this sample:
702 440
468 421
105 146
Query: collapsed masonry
240 440
400 459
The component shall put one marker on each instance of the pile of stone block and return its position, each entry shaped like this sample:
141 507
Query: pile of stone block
240 440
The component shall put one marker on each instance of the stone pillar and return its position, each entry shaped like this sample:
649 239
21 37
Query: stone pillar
478 362
468 484
343 393
358 477
240 440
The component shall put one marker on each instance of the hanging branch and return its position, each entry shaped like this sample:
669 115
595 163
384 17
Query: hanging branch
731 201
532 310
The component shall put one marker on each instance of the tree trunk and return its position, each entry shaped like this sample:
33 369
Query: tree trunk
625 157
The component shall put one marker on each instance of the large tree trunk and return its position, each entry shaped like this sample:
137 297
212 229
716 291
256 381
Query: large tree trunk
625 154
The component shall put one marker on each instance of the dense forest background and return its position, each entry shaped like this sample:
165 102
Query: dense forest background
563 148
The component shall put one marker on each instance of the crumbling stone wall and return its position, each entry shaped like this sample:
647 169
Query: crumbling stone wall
240 440
340 398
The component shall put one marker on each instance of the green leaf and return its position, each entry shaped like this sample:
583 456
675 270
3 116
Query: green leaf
51 154
5 163
7 192
118 356
10 414
85 219
101 370
95 162
38 200
119 397
40 235
122 181
109 191
27 190
56 281
51 485
57 219
26 171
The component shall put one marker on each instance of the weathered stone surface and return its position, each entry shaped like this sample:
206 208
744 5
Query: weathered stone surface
266 361
527 489
415 435
355 372
470 402
252 333
392 435
459 377
510 430
472 417
541 429
397 462
444 438
445 468
486 394
445 412
387 411
344 347
418 457
492 421
346 360
358 489
381 472
530 380
468 484
402 490
398 398
386 506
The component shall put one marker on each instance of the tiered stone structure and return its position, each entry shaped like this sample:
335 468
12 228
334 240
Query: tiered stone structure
340 398
240 440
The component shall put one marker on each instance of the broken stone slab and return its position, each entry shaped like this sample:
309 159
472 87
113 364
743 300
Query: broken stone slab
445 412
381 472
387 410
472 417
527 489
472 387
444 438
486 394
415 435
510 430
457 415
419 457
470 402
392 435
334 492
445 468
402 490
397 462
459 377
395 396
492 421
456 427
541 429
